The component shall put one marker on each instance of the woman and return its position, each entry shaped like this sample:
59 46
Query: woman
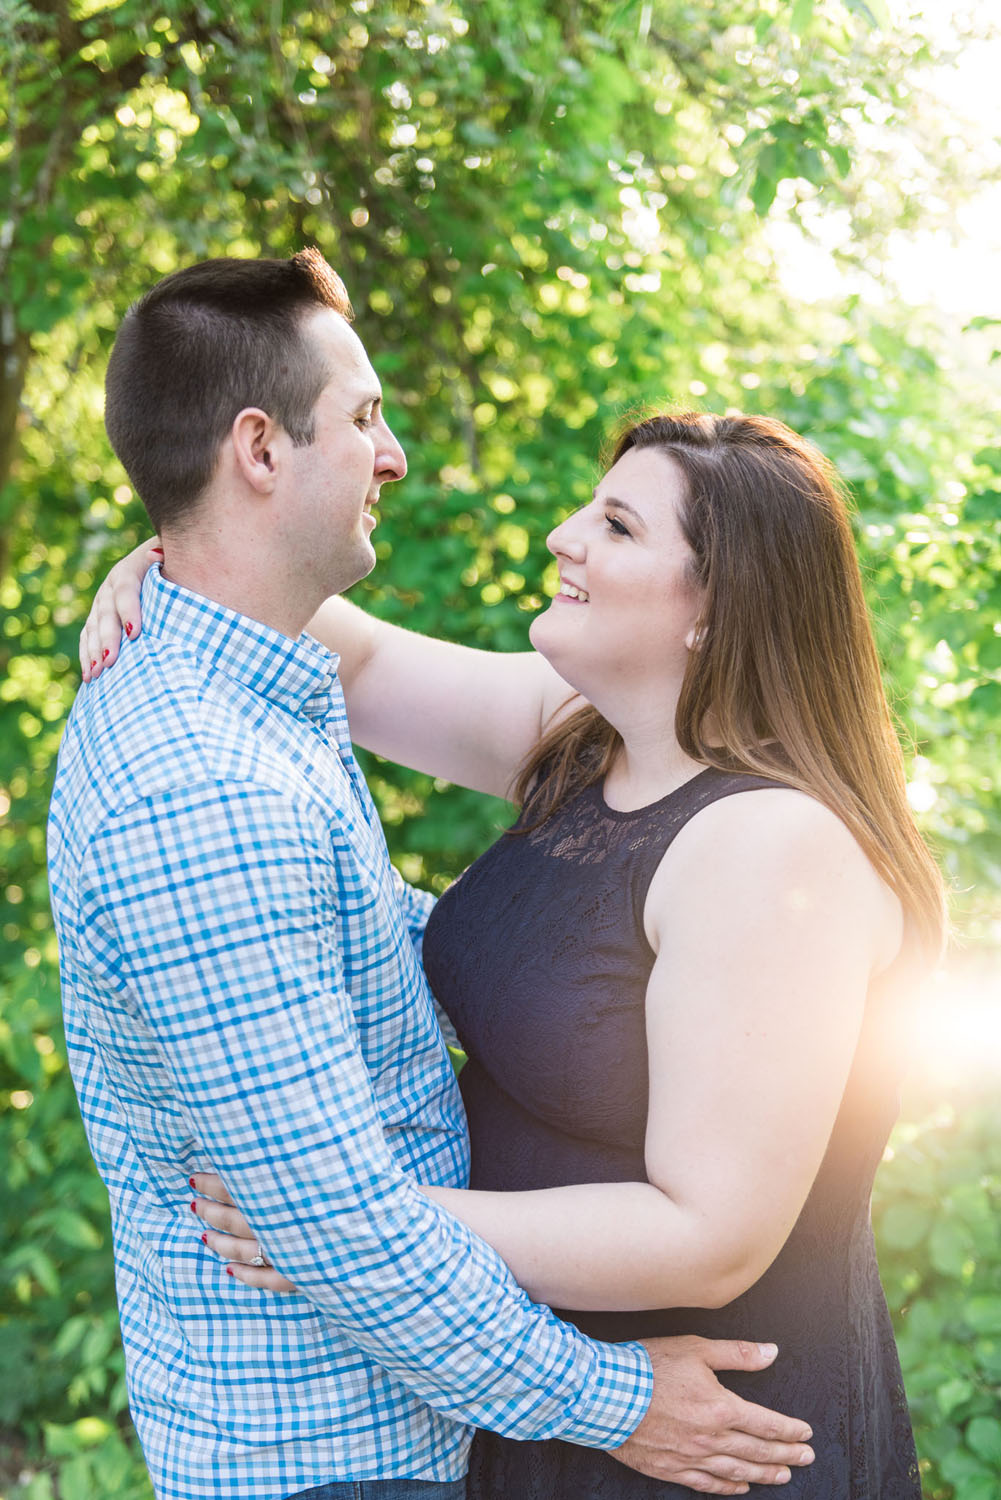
681 1004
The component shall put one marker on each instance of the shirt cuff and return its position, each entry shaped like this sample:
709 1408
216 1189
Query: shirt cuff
614 1398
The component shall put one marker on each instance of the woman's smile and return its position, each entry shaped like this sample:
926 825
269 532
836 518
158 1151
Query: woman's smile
572 592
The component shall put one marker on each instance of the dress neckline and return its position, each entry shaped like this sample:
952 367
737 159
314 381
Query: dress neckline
598 788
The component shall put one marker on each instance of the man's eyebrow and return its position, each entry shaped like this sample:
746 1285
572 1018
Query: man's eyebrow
621 505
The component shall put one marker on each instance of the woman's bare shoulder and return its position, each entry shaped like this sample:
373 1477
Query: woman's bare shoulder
778 850
777 823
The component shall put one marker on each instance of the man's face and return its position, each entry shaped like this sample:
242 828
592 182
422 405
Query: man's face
335 481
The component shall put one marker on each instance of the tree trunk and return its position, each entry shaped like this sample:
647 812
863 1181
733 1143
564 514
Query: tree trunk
15 349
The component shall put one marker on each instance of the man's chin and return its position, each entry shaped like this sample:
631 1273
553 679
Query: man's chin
362 562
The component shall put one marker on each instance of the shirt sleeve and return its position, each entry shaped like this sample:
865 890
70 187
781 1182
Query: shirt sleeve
214 908
416 906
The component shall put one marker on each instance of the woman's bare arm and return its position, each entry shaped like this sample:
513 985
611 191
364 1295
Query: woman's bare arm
465 715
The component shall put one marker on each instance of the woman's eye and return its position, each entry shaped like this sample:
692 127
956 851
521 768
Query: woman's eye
363 422
616 527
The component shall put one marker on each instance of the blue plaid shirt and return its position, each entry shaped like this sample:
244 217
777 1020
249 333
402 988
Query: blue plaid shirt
242 990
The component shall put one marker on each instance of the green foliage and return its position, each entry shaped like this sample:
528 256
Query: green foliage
82 1460
938 1222
547 214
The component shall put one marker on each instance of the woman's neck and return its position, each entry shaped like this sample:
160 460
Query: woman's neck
646 769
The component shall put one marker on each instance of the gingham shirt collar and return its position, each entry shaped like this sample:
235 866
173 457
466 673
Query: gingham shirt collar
295 673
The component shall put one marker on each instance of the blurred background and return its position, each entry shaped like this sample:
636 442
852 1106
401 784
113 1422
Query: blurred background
547 213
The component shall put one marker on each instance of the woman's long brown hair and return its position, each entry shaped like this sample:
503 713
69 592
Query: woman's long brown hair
785 679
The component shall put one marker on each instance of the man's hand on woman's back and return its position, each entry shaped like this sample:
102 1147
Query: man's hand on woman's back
698 1433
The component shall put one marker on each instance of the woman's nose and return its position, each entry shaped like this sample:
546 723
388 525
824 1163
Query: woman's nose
565 540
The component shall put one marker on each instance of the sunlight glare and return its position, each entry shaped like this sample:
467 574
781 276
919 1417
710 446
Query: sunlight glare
958 1032
952 267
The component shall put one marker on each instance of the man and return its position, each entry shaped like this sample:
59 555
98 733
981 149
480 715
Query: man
241 979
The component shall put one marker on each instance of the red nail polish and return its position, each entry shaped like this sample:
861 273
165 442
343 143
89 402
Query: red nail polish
191 1182
193 1207
128 628
229 1271
105 653
205 1239
93 665
158 549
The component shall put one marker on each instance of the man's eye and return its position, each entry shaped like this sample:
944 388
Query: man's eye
616 526
363 422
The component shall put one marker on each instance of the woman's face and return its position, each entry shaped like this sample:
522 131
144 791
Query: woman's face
626 611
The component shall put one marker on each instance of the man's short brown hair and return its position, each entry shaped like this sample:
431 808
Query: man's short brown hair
198 348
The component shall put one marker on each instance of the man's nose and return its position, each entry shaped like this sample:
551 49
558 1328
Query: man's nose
390 459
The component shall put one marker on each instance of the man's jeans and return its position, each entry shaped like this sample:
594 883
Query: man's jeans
386 1489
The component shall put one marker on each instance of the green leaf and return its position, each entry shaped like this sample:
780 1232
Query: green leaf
97 1345
69 1439
873 11
989 653
76 1479
73 1229
983 1434
986 699
802 15
953 1394
983 1313
38 1263
70 1335
961 1468
766 179
841 157
905 1225
950 1248
22 1054
977 1487
38 1487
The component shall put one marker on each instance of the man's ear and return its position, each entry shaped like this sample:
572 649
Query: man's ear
253 436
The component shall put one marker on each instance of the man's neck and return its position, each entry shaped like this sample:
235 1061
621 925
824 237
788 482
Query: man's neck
232 580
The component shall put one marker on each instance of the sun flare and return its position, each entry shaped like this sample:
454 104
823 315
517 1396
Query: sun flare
958 1033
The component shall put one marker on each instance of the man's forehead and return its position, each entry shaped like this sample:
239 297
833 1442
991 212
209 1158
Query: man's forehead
346 356
326 327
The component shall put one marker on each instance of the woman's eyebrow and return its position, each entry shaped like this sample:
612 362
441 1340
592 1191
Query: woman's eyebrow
621 505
